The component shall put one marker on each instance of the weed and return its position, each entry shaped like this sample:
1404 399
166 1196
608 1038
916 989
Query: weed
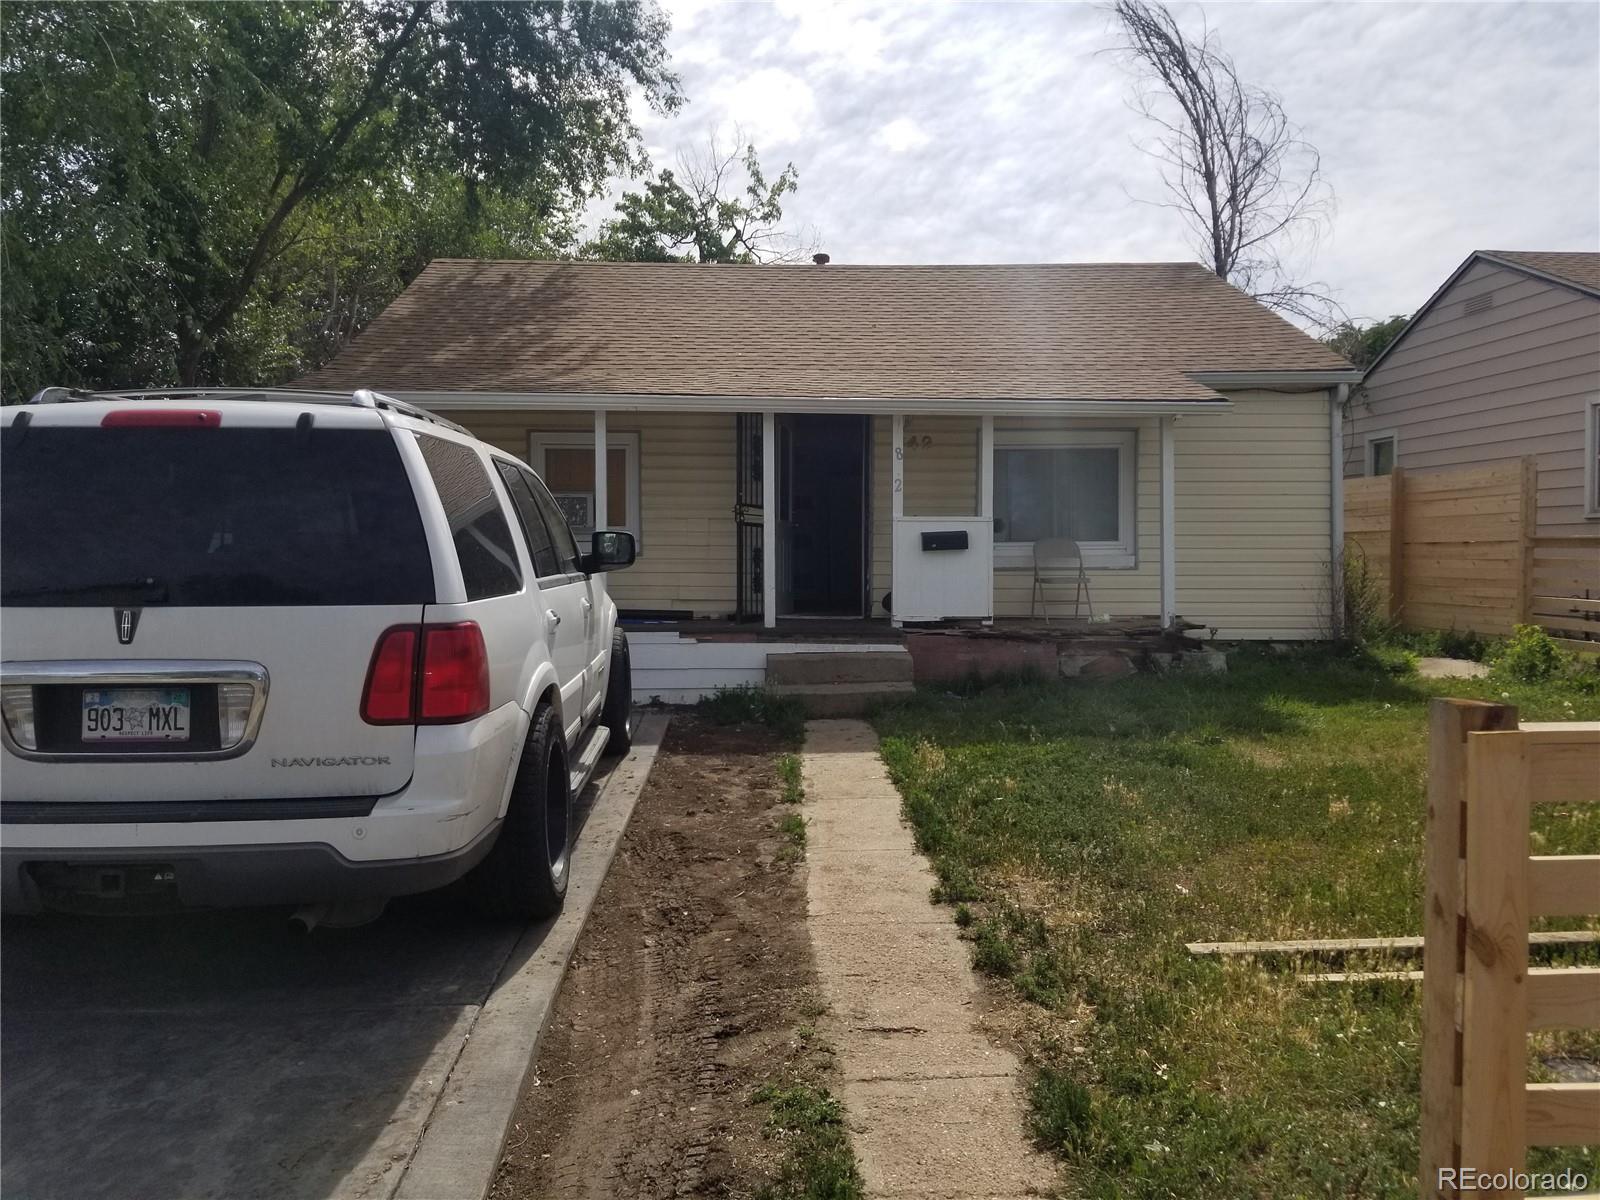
956 883
819 1163
1366 601
756 706
793 829
1528 656
993 953
789 772
964 916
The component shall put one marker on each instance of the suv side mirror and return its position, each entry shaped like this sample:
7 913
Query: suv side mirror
609 550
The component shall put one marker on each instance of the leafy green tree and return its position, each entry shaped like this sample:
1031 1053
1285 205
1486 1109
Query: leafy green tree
689 215
1362 344
186 182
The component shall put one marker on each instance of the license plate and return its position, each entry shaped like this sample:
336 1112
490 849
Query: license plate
136 715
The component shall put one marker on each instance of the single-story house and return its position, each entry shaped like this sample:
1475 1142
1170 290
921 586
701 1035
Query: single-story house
889 442
1501 362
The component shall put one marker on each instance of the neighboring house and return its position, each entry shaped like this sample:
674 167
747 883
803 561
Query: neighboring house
782 439
1502 361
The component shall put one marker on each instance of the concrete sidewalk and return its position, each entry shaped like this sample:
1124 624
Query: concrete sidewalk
934 1107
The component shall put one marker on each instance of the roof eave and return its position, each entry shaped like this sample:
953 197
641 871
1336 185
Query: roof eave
1277 381
874 405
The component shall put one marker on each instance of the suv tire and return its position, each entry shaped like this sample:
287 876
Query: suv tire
619 697
525 873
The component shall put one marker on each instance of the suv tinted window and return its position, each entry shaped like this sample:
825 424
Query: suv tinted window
164 516
540 548
478 526
566 547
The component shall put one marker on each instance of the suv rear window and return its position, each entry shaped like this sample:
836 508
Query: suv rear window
197 517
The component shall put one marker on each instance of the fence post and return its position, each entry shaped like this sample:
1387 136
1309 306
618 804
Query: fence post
1494 1006
1528 511
1444 936
1397 543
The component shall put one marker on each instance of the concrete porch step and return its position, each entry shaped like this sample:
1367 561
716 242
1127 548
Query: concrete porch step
863 667
841 699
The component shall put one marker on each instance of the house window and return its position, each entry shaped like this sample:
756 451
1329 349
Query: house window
1591 463
565 461
1380 454
1073 485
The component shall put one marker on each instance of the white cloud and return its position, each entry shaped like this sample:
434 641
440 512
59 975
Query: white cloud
772 106
1002 132
902 134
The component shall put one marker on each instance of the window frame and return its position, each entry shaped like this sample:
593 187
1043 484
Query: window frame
1591 461
1369 440
539 440
1122 554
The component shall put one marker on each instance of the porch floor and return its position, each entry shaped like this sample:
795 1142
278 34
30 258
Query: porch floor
842 629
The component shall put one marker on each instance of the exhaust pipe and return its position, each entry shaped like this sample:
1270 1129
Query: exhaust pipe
307 918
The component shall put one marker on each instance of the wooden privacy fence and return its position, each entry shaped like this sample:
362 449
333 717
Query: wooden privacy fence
1480 999
1458 549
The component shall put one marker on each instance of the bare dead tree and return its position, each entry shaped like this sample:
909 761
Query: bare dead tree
746 221
1234 166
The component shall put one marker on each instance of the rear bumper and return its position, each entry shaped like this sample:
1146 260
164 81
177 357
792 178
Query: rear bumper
424 836
221 876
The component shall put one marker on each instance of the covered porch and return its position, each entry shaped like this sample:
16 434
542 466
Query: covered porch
762 515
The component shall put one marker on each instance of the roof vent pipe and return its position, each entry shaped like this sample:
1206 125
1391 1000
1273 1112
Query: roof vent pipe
821 260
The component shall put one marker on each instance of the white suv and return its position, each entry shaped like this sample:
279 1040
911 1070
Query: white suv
281 647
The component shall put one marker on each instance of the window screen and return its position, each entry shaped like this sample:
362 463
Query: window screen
540 548
1058 492
477 525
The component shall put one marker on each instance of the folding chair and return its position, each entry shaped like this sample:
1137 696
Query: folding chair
1058 561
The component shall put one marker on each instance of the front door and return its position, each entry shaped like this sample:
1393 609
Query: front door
822 514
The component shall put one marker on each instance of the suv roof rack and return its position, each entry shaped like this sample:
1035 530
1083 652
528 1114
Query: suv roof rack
359 398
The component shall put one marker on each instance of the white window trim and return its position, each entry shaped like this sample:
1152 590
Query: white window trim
628 443
1378 435
1591 469
1122 553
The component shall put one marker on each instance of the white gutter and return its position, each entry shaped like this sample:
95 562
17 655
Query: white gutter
1276 381
1336 402
641 402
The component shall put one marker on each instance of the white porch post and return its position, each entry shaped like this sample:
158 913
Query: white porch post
897 506
986 496
1169 540
769 520
601 459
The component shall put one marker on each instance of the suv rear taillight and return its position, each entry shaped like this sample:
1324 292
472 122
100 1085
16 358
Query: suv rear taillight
455 673
427 675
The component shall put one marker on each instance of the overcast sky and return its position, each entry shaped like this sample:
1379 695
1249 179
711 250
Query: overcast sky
988 132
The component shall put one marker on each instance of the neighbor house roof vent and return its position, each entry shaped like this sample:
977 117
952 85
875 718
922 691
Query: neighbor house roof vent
821 260
1478 304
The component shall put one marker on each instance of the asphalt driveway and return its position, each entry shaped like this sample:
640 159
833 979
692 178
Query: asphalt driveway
223 1055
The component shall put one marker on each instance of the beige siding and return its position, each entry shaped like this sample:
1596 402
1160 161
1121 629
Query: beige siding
686 464
1251 491
1252 498
1469 389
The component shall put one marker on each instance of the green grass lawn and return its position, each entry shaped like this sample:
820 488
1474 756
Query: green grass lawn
1088 831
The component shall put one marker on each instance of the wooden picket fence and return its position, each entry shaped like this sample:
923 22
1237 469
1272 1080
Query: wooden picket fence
1480 999
1459 549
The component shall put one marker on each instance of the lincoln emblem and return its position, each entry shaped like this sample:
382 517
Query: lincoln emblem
127 624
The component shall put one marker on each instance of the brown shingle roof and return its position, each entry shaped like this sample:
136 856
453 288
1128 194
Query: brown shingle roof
1575 266
1115 331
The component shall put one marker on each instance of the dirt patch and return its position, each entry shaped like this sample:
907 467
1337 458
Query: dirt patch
692 986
